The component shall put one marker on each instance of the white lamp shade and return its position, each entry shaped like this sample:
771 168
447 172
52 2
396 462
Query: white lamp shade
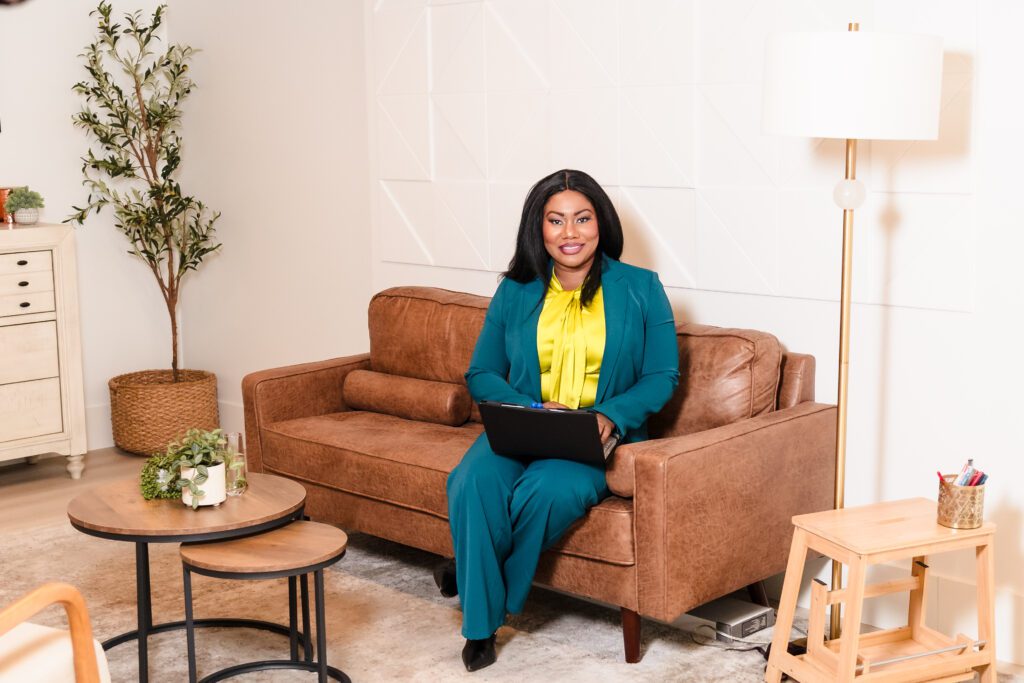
868 86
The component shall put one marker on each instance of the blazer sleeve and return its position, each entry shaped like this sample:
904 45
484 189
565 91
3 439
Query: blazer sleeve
487 377
659 373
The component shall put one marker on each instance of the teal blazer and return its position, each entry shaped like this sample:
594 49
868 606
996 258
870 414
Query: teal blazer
640 367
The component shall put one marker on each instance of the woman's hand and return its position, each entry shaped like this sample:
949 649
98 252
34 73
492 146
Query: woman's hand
605 426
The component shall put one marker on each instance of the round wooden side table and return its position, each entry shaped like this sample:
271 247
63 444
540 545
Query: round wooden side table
299 549
117 511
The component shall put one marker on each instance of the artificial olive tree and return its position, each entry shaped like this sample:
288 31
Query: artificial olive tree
131 114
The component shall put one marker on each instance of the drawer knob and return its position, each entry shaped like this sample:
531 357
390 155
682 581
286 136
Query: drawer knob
24 304
22 262
23 283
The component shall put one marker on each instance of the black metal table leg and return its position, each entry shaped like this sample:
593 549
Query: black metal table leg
321 625
144 607
308 641
190 631
293 626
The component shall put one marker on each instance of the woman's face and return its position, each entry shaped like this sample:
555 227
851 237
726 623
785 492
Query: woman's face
570 231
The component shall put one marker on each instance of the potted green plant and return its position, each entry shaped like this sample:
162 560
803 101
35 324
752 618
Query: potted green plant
198 459
24 204
131 113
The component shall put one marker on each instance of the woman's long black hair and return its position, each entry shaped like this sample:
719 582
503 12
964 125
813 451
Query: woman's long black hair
530 262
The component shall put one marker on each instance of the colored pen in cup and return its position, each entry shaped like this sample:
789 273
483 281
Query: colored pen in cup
942 480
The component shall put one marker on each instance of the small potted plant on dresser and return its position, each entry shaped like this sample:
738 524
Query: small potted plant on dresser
131 167
24 205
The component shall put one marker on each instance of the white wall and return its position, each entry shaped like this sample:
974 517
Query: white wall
125 326
275 139
660 100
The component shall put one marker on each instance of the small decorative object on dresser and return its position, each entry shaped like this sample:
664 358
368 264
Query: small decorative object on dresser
4 217
24 204
131 167
42 405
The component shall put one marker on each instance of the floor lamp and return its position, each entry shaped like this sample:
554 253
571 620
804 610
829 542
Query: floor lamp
852 86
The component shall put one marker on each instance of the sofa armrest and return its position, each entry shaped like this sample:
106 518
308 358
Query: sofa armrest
713 509
290 392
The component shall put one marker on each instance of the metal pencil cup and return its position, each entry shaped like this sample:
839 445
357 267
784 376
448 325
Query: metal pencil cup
961 507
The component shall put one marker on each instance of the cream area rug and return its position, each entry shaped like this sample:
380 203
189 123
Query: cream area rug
385 619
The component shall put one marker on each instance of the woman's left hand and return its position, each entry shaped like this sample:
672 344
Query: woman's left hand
605 426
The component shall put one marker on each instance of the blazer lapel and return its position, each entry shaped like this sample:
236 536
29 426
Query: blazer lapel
531 317
614 290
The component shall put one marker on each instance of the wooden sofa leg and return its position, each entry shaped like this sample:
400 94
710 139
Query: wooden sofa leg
758 594
631 635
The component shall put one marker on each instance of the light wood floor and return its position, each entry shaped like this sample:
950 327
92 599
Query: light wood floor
35 495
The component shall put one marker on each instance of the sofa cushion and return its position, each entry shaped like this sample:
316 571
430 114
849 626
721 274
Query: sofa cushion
424 332
414 399
406 463
725 375
605 533
387 458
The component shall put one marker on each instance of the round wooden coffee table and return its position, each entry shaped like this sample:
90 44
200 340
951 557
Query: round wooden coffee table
117 511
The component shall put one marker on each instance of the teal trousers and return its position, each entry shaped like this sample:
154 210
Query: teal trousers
503 514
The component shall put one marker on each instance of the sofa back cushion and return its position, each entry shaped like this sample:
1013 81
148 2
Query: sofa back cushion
424 333
414 399
725 375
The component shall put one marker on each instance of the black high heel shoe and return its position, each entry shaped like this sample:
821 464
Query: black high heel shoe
478 654
444 577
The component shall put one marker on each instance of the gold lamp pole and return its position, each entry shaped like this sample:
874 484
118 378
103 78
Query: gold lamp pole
850 86
835 628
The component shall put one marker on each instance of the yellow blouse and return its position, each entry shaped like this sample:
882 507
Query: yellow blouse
570 346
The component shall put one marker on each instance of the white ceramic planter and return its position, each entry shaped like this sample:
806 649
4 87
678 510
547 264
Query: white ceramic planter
26 216
213 488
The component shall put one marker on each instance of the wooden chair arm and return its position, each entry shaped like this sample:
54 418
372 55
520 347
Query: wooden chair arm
86 669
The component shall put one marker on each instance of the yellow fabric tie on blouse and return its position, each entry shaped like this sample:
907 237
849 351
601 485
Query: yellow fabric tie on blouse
570 346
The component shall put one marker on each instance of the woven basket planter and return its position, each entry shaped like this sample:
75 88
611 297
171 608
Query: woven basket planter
148 410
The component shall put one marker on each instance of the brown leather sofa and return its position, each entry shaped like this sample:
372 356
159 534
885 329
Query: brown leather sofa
699 511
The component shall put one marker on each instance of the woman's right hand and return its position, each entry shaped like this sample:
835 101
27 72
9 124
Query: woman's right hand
555 405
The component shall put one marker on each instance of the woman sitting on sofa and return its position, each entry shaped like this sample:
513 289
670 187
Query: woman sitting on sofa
571 327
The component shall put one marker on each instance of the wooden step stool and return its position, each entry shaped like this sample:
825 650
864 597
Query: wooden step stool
862 536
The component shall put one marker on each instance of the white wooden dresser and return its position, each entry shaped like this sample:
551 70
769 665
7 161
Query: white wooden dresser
42 405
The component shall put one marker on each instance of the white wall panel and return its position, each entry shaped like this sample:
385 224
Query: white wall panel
518 47
398 238
518 136
457 45
505 208
403 137
660 232
731 150
459 136
400 42
810 241
656 127
584 37
656 42
585 132
736 240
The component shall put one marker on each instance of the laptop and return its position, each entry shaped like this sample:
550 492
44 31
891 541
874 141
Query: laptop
537 433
